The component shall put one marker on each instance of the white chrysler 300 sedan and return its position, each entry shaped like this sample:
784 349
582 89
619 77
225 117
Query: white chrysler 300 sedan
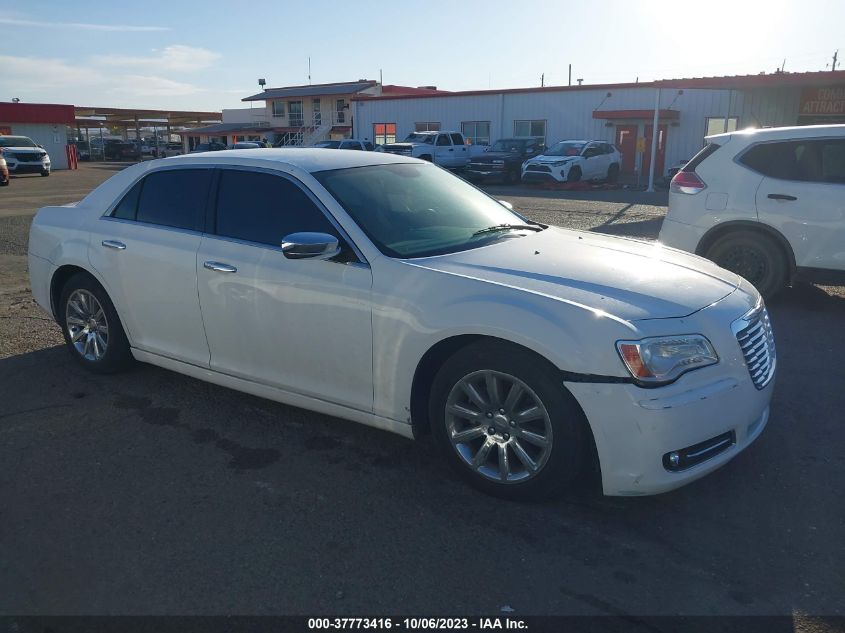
385 290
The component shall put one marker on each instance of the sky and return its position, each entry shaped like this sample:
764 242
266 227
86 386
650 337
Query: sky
191 55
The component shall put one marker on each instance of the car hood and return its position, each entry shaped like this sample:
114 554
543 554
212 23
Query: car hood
542 158
629 279
489 157
25 150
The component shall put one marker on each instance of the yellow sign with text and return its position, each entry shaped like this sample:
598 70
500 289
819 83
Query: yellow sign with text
641 145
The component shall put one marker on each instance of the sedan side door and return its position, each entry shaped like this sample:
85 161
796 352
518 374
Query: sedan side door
301 325
145 252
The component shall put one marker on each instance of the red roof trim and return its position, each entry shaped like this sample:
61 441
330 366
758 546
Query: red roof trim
635 114
725 83
52 113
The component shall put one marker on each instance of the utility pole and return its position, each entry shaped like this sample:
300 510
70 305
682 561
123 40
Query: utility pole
543 80
309 70
570 74
835 57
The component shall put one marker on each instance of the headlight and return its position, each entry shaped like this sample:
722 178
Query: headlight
662 359
560 163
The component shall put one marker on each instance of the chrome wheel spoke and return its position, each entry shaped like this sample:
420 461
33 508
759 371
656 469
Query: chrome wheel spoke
492 385
468 435
533 438
465 412
79 334
504 464
483 454
534 412
473 394
76 321
514 396
100 341
524 457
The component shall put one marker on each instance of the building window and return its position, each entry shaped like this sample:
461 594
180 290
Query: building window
384 133
427 126
530 128
720 124
315 112
340 109
295 118
278 108
476 132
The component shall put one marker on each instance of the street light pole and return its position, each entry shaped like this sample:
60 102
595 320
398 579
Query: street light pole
653 141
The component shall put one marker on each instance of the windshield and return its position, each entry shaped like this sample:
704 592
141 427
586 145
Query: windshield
328 144
420 138
565 148
16 141
508 145
412 210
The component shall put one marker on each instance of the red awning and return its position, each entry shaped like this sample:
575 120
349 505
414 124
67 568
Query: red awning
635 114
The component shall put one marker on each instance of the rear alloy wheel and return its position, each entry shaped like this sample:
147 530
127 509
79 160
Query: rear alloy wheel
45 173
512 176
574 175
504 423
754 256
91 327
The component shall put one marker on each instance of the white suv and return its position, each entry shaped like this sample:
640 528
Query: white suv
767 204
25 156
571 161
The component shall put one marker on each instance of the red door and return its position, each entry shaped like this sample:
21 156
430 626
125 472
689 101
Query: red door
661 151
626 141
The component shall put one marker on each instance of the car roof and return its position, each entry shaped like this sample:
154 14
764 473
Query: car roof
308 159
777 133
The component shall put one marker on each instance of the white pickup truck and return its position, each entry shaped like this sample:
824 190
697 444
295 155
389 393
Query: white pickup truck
447 149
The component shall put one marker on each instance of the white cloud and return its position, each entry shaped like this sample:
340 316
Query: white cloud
176 57
86 26
138 86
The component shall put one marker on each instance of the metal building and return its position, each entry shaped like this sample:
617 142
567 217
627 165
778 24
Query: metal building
688 110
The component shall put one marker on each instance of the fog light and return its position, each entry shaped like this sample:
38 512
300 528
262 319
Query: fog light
674 459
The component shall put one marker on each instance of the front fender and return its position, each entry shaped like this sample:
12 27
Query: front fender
420 308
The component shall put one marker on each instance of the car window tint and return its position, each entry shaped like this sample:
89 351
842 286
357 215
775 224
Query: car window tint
174 197
128 206
443 139
456 139
265 208
833 162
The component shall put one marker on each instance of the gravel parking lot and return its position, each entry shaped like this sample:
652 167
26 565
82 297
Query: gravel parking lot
153 493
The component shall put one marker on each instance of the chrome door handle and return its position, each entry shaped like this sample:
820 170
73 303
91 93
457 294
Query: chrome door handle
118 246
220 267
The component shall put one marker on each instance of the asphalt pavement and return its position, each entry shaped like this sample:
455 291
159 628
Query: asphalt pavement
153 493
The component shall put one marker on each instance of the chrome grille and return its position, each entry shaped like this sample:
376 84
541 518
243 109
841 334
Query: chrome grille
757 342
534 167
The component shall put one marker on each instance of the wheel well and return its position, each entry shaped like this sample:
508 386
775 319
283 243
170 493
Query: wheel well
60 277
755 227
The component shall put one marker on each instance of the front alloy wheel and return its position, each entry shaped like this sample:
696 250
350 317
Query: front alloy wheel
498 426
505 421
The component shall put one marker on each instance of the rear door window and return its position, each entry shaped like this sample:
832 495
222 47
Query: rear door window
457 139
127 208
264 208
175 198
443 139
820 160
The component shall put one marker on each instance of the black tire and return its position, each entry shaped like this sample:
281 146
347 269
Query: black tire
574 175
427 157
45 173
755 256
512 176
117 355
613 173
568 426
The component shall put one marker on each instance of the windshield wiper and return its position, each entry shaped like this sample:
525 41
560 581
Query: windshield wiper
508 227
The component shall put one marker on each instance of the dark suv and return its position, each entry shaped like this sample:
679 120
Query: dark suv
503 160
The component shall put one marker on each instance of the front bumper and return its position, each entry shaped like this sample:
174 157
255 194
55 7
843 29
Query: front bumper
28 168
477 173
634 428
557 174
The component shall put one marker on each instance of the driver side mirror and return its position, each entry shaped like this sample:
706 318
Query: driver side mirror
310 246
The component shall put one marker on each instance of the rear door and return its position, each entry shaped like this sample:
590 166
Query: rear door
444 152
145 251
594 162
802 195
461 150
